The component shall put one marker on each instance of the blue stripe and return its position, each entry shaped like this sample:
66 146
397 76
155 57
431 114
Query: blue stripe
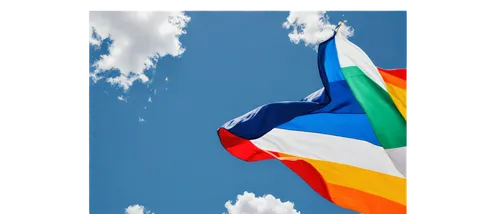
344 117
328 61
261 120
355 126
342 101
342 98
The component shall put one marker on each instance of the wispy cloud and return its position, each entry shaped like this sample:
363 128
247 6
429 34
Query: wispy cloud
141 120
137 209
122 98
139 39
150 100
267 204
312 27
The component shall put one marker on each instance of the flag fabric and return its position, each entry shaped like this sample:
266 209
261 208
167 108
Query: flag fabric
347 140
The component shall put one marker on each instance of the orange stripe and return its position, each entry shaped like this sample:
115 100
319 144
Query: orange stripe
400 83
342 196
309 174
371 182
398 96
363 202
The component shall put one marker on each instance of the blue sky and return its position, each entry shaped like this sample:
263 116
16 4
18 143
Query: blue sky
172 162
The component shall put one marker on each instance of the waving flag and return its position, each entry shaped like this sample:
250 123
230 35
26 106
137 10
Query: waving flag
346 140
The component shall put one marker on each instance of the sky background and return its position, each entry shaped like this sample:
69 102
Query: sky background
165 154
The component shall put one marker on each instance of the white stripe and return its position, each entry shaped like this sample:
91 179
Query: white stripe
83 35
330 148
351 55
398 156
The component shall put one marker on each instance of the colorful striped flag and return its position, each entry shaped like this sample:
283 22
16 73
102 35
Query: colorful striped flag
346 140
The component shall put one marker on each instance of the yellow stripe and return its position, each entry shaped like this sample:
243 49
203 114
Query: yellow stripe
398 95
383 185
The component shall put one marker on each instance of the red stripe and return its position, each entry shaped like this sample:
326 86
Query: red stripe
342 196
310 175
398 72
247 151
242 148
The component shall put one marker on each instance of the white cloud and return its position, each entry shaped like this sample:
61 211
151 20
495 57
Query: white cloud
166 79
267 204
122 98
150 100
312 27
137 209
139 39
141 120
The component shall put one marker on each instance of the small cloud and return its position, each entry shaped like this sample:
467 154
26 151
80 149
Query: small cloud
137 209
312 28
154 93
166 79
122 98
267 204
150 100
141 120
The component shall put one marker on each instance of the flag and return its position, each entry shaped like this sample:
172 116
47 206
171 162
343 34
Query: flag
347 140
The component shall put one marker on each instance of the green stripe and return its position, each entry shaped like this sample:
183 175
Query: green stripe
387 122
